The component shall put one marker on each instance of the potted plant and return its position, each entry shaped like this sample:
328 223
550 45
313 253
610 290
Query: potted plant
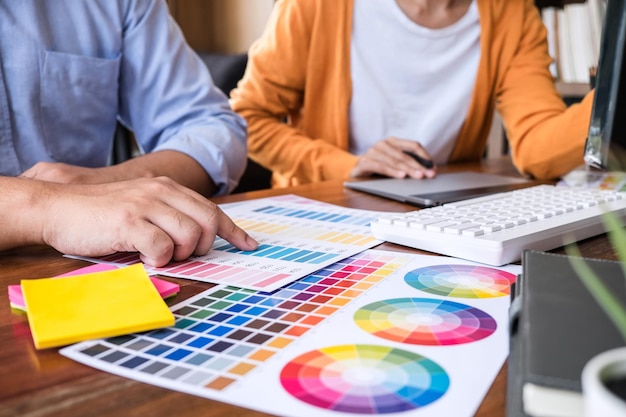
604 376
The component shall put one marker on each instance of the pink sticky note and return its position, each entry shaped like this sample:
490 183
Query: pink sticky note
165 288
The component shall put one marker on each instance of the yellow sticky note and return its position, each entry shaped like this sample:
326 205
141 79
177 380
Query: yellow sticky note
67 310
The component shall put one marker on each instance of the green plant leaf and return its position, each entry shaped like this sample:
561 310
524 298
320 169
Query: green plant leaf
617 236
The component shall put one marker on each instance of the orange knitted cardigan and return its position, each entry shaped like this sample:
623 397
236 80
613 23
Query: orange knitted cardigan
296 92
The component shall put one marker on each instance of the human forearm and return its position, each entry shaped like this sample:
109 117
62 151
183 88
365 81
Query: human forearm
175 165
555 145
293 156
22 209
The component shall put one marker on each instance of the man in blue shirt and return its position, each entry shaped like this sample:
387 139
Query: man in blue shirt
68 72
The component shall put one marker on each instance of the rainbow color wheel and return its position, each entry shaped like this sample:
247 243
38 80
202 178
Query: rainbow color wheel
463 281
425 321
364 379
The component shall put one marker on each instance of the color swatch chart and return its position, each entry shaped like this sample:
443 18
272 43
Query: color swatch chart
296 237
369 335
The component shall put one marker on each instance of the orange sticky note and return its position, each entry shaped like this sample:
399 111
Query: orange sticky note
67 310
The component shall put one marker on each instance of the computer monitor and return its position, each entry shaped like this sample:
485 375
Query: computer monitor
606 141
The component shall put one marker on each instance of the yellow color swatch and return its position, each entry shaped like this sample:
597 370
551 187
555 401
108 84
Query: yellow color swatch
67 310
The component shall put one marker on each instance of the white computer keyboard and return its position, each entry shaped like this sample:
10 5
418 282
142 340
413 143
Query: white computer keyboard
496 229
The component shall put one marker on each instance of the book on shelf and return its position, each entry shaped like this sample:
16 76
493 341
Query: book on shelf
574 34
581 49
596 11
556 327
548 15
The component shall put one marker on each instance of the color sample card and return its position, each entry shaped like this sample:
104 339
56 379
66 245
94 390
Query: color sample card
100 304
296 236
357 337
611 180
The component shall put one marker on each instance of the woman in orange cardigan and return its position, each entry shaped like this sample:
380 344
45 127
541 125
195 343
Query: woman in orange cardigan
341 88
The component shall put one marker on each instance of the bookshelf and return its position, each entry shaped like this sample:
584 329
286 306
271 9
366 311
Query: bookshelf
555 3
574 31
571 89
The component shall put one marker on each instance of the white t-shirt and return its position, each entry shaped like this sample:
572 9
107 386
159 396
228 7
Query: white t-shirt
409 81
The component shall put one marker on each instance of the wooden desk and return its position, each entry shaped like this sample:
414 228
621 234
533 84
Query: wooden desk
44 383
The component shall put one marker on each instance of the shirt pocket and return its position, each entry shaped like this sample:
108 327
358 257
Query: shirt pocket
78 106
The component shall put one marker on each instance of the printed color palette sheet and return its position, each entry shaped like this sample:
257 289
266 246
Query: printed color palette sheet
296 236
377 333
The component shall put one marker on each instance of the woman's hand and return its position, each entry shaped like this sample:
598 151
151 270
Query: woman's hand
391 157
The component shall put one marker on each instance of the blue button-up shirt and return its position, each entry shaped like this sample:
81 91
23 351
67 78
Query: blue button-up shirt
69 69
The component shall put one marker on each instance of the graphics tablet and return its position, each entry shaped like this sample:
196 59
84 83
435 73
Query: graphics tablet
444 188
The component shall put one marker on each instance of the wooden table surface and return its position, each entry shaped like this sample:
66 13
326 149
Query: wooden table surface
44 383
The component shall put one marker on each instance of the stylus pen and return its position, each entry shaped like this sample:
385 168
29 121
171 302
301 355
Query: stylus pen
426 163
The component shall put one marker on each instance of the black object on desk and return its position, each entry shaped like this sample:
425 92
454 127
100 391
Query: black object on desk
556 327
426 163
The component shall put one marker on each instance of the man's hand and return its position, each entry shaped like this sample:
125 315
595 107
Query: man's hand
156 217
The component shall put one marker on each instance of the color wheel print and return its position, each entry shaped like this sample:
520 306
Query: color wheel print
425 321
463 281
364 379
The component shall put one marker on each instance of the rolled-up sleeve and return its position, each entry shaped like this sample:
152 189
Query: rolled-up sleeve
169 101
